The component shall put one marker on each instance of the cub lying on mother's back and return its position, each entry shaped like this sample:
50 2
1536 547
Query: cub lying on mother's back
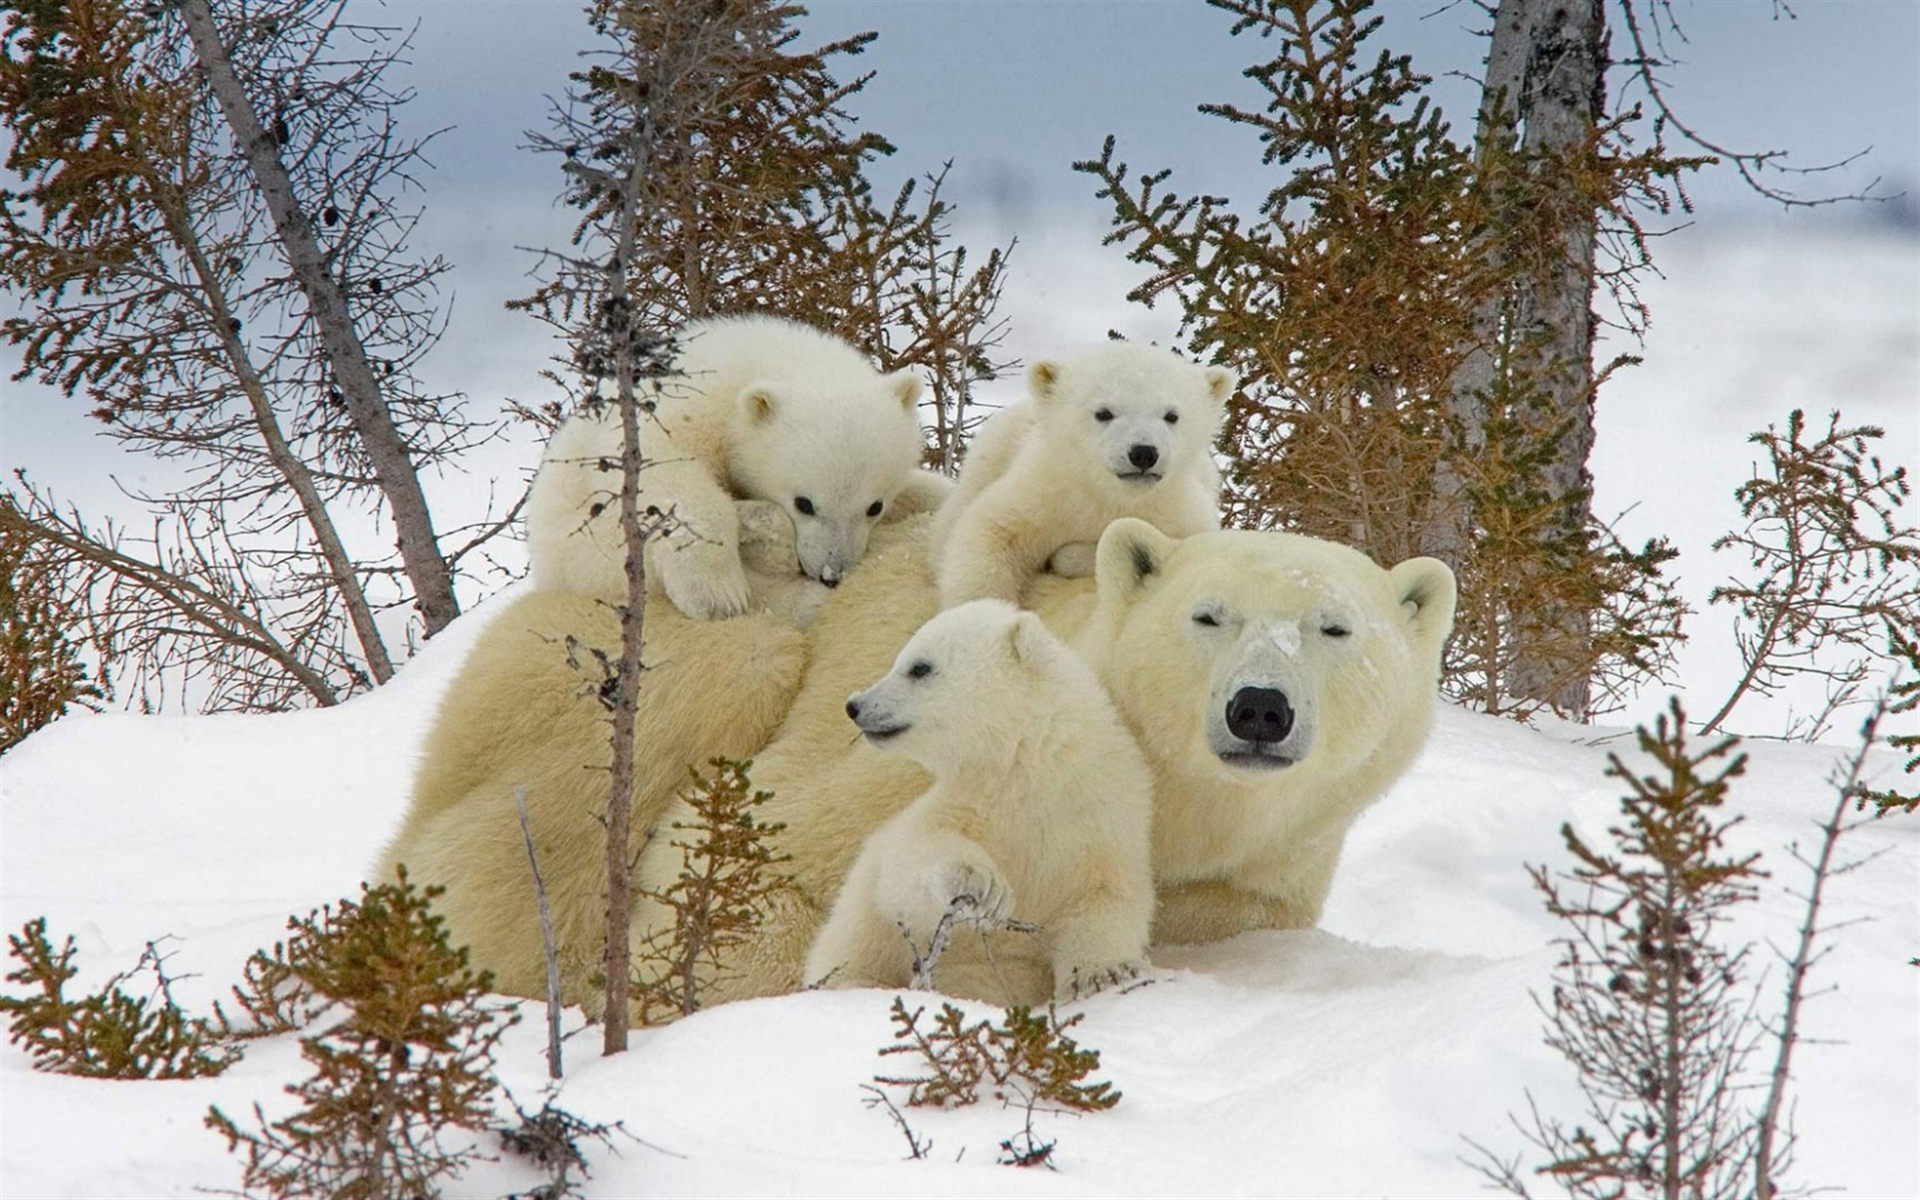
768 409
1039 812
1121 431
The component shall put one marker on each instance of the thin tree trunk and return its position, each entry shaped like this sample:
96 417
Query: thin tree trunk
1767 1126
1544 85
1446 530
1565 73
366 406
633 614
292 468
547 942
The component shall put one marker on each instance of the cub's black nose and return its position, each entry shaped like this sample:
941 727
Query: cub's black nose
853 710
1257 714
1142 457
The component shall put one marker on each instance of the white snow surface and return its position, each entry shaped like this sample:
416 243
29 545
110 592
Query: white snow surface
1347 1060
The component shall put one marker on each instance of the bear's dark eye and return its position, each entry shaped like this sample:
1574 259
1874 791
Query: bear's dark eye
1103 415
1207 619
873 510
803 506
920 670
1173 418
1335 629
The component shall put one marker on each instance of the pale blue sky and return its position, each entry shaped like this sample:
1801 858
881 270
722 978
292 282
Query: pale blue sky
1014 90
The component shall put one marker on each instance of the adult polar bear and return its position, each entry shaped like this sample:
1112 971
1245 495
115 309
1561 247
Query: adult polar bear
1275 684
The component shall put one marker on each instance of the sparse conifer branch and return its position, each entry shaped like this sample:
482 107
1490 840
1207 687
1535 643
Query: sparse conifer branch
950 1057
187 613
41 671
408 1066
1027 1061
155 290
917 304
1836 568
1902 699
1650 55
107 1034
1027 1052
728 877
1646 1004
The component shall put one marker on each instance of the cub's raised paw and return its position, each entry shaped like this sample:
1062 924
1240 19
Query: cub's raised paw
974 891
766 539
1077 983
704 582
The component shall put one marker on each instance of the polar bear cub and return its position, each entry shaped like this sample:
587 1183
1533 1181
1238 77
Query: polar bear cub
1040 810
1121 431
768 409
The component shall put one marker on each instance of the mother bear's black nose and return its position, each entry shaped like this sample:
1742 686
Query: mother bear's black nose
1258 714
1142 457
853 709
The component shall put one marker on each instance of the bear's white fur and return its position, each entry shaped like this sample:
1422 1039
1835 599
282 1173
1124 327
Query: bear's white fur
1245 835
1121 431
1038 813
767 409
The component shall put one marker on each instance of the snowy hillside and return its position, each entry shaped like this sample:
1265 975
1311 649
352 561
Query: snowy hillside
1344 1061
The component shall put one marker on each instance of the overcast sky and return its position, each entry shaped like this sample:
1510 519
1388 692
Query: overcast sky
1013 92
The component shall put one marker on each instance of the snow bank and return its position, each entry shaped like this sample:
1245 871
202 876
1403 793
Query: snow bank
1342 1061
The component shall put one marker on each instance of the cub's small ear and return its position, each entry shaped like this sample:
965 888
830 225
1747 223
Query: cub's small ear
1043 379
923 491
1220 383
1130 558
757 404
1427 593
1029 640
906 387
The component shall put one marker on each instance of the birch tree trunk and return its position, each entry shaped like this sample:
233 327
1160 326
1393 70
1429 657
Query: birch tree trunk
360 390
1544 94
1565 69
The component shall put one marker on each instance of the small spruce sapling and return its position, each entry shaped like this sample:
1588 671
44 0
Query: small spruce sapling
1835 571
1646 1002
107 1034
1902 700
728 877
410 1060
1026 1061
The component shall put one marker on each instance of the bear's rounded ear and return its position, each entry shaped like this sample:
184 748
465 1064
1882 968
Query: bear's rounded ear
1043 379
1427 592
1220 383
757 404
1028 639
906 387
1131 555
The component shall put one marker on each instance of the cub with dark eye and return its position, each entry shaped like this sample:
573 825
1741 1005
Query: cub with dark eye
1040 812
760 410
1120 431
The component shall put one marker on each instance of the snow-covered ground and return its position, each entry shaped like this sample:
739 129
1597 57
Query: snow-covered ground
1348 1060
